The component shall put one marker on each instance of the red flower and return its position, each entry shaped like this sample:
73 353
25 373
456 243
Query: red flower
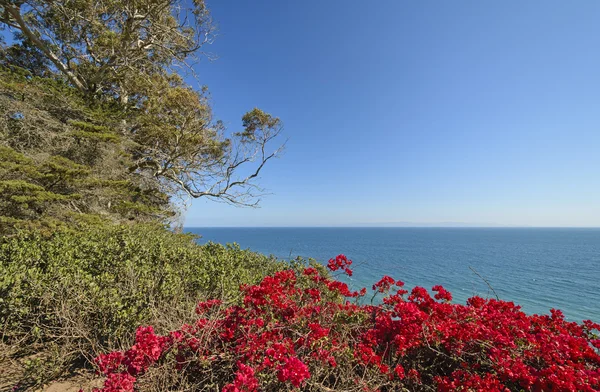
205 306
399 370
244 380
384 285
288 327
442 293
294 371
340 262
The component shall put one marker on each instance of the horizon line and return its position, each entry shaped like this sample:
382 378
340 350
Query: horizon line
392 227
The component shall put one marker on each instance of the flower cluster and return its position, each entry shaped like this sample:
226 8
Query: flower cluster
122 368
297 330
340 262
244 380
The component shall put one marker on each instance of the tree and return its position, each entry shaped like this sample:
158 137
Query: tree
125 116
178 141
64 161
25 55
111 46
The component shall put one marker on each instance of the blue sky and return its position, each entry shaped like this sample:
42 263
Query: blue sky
406 111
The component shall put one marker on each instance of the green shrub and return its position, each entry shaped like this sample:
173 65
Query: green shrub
77 294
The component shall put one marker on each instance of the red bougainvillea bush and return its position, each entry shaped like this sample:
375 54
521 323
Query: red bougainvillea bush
301 330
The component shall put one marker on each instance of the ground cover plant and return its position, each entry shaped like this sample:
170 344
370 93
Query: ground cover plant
67 297
292 332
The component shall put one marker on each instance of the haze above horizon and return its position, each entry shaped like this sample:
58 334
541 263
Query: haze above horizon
414 111
408 225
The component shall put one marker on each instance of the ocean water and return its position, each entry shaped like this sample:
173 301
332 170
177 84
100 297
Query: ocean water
537 268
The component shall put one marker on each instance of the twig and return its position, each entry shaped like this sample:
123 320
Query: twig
486 282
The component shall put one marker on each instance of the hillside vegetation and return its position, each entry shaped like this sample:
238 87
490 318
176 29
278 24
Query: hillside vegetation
103 142
301 330
71 296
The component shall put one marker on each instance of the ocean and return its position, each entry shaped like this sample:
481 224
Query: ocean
537 268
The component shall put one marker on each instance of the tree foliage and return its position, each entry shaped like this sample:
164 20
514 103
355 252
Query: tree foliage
97 120
58 164
113 47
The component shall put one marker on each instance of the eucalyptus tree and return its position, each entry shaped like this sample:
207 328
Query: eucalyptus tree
126 66
111 46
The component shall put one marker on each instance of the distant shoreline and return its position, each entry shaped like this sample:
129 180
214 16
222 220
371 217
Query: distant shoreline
395 227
